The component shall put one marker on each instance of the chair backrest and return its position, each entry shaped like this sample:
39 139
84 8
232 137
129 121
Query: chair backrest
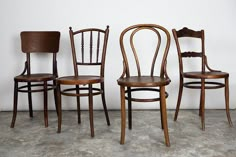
40 42
133 39
89 48
189 34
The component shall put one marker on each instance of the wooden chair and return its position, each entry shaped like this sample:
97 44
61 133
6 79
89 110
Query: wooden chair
134 79
91 46
44 42
206 78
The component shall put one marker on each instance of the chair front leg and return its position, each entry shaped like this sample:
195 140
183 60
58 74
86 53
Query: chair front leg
14 104
78 104
200 105
123 114
227 101
164 115
91 110
59 107
129 108
161 111
30 100
45 103
179 98
55 95
203 103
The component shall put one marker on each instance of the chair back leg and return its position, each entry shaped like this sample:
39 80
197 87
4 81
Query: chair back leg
104 104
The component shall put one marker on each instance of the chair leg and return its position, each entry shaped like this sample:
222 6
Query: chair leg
123 114
30 100
129 108
161 112
59 107
78 104
203 103
45 104
164 115
104 104
91 110
227 101
55 95
15 104
200 106
179 98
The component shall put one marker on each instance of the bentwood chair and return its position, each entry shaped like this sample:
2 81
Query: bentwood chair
45 43
144 49
88 50
205 78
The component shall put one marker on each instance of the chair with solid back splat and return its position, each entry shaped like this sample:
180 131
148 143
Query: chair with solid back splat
134 80
44 42
206 78
88 50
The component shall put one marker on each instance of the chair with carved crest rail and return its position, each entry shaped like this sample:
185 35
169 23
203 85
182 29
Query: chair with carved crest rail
134 77
88 50
206 78
32 42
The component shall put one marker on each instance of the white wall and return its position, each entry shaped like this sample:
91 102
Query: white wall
217 17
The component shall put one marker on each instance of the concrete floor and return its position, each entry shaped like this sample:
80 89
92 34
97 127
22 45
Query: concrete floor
29 138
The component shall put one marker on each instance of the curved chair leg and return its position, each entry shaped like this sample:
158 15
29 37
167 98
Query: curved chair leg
30 100
59 107
164 115
179 98
104 104
203 103
129 108
15 104
91 110
78 104
123 114
45 92
55 95
227 101
161 112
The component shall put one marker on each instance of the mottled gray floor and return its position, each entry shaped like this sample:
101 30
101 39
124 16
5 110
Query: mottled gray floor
29 138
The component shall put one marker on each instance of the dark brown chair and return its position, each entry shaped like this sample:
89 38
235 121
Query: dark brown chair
44 42
206 78
134 78
88 50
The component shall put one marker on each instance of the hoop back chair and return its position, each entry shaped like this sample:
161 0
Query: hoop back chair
207 78
44 42
91 46
139 81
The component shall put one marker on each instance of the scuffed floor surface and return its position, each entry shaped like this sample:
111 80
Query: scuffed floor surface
30 138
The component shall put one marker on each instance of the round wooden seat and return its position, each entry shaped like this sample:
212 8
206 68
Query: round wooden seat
143 81
205 75
35 77
76 80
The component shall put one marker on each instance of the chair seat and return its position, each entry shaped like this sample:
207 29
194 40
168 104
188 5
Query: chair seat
143 81
205 75
86 79
35 77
